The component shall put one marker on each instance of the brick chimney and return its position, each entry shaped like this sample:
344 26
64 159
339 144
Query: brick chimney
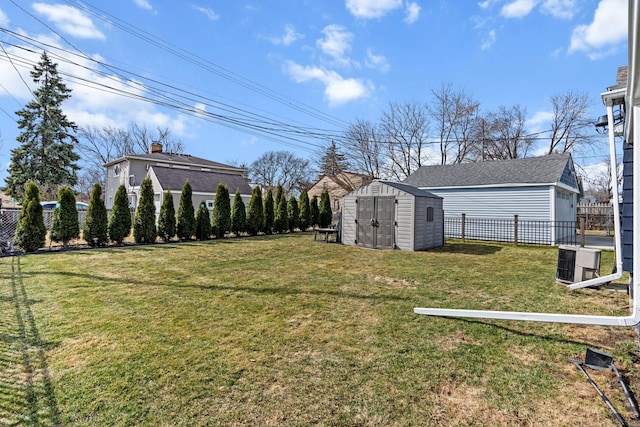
156 147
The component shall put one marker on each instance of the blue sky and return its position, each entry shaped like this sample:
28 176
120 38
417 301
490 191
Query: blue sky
236 68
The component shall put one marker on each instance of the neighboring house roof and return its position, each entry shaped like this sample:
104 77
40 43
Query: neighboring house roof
201 181
544 170
176 159
414 191
348 181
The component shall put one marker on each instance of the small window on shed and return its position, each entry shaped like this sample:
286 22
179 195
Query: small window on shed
429 214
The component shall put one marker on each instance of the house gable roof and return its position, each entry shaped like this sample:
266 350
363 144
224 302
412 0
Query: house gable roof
177 159
345 180
201 181
544 170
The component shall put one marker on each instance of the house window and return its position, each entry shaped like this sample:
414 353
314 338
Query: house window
325 185
209 204
336 205
116 170
429 214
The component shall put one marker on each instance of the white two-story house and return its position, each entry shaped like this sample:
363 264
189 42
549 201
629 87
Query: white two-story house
169 171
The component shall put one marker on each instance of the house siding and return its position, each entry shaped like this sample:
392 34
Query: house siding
627 208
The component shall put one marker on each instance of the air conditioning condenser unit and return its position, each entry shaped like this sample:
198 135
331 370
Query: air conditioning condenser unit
576 264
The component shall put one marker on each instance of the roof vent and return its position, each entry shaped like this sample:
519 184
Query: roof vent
156 147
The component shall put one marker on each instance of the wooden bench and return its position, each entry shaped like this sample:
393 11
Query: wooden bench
324 234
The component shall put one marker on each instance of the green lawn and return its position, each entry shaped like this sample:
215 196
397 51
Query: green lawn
282 330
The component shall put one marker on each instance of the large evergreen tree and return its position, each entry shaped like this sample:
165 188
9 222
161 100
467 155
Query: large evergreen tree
293 213
255 216
47 138
238 215
221 218
269 212
120 220
281 221
186 225
332 161
144 223
203 222
95 221
305 211
325 215
167 218
31 231
65 225
315 211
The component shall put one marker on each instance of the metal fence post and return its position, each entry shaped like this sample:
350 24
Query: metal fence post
462 228
582 232
515 230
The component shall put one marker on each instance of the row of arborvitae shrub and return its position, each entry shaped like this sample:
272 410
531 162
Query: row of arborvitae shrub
263 216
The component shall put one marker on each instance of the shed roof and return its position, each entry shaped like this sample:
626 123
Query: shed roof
414 191
526 171
201 181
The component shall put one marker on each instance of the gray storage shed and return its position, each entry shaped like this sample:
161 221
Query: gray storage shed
392 215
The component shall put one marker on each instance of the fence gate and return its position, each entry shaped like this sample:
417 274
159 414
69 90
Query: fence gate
375 222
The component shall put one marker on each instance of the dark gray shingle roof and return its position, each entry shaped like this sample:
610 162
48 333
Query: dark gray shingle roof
173 158
531 170
201 181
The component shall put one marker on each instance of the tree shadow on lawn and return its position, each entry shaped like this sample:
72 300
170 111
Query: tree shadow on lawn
27 396
284 290
469 248
515 331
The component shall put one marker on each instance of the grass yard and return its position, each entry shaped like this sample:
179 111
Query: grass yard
281 330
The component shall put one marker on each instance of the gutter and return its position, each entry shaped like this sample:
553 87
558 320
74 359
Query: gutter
632 133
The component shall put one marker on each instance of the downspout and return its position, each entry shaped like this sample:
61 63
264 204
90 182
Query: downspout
613 166
632 319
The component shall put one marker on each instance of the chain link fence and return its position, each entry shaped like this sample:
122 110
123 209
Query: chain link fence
9 224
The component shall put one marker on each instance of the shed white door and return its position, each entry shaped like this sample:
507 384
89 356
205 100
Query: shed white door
375 222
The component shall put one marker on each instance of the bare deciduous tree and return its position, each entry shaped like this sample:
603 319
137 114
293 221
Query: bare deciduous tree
455 117
363 148
570 122
283 168
599 183
404 130
102 145
506 138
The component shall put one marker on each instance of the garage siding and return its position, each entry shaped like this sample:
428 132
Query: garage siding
530 203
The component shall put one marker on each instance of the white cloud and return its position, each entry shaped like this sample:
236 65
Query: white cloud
368 9
70 20
540 121
208 12
144 4
377 62
289 37
489 40
413 12
609 28
336 43
518 8
338 90
200 110
486 4
90 103
4 19
563 9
